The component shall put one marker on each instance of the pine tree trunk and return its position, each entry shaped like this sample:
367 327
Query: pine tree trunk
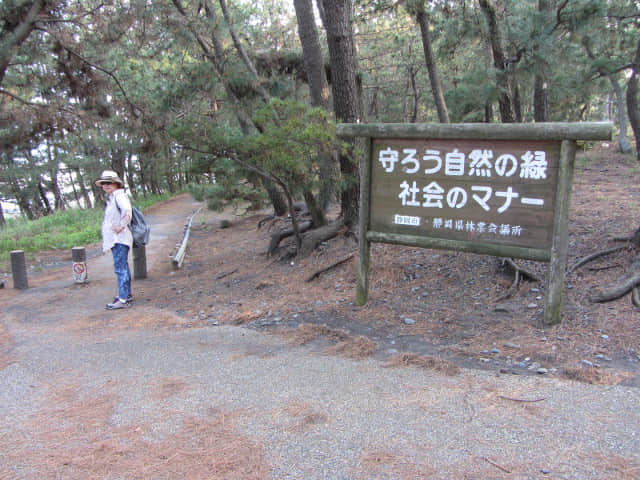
20 196
318 218
517 104
337 22
241 51
499 61
372 110
540 83
60 203
623 142
312 54
278 200
540 99
44 201
632 100
318 89
83 189
118 156
413 95
54 188
432 69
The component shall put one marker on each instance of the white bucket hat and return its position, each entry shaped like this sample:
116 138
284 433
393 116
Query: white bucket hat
109 176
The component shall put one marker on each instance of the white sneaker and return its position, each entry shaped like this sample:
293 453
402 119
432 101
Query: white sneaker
117 304
129 299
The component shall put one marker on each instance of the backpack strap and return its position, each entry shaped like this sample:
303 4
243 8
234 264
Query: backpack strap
115 200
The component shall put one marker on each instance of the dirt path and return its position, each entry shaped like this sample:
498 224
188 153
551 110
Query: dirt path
150 393
53 296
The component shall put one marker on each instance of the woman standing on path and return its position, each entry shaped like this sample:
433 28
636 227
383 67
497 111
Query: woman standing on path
116 235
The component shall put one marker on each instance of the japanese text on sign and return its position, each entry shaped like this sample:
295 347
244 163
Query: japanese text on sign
465 189
532 165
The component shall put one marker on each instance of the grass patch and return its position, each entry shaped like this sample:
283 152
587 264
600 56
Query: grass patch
60 230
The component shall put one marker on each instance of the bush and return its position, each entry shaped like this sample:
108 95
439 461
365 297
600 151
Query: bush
221 194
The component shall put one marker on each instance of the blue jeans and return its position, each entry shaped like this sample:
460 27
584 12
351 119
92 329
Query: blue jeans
121 267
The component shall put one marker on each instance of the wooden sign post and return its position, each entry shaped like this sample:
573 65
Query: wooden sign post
495 189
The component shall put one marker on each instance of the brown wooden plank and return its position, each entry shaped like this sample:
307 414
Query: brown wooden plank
589 131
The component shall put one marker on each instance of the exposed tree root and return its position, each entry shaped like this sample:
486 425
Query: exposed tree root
518 273
512 289
225 274
529 275
628 283
318 235
621 288
310 240
270 218
280 235
635 296
594 256
633 238
607 267
300 211
317 273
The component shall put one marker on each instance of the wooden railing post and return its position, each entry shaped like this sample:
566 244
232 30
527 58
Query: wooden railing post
139 262
19 270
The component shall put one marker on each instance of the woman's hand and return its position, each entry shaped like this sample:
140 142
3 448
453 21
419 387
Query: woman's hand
117 228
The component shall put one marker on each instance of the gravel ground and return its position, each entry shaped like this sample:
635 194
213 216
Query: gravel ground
325 417
86 393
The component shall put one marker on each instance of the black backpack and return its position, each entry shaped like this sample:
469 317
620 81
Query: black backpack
140 229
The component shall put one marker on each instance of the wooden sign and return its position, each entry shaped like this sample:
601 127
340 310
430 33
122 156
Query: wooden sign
497 189
499 192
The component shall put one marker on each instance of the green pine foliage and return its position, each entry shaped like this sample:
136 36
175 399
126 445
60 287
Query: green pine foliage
293 137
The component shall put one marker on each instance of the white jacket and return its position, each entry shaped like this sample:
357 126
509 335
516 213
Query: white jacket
117 212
